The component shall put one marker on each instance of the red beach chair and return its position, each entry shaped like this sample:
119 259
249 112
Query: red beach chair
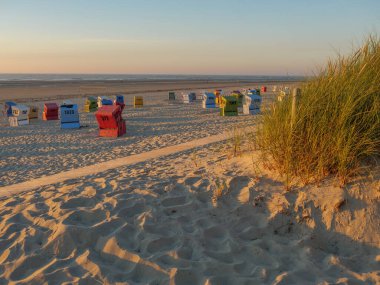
50 112
110 121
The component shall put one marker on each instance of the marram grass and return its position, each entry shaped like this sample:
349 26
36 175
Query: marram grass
337 122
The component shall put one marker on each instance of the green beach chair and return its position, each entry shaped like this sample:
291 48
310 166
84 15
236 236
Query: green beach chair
91 105
229 106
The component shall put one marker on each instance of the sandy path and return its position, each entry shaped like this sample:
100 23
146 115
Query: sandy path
104 166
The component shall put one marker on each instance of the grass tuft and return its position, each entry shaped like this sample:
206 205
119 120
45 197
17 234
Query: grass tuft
336 124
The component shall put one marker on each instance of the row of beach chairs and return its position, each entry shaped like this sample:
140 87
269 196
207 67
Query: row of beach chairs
109 117
92 103
250 100
20 115
108 112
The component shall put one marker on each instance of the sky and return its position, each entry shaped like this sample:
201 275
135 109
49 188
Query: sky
239 37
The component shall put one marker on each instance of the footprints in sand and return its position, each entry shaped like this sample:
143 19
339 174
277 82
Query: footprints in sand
215 233
85 217
174 201
32 264
79 202
240 189
161 244
132 210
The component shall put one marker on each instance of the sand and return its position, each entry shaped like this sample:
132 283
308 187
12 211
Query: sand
194 216
38 90
42 148
110 164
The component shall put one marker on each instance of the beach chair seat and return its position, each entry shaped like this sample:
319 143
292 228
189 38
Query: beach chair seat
218 93
69 116
171 96
281 96
20 116
138 101
104 101
50 112
239 97
186 98
192 96
91 104
33 112
119 100
252 104
208 101
189 97
110 121
8 108
228 106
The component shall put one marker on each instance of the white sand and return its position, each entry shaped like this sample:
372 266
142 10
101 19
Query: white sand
198 216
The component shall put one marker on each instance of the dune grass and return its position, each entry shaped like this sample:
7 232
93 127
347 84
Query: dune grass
337 122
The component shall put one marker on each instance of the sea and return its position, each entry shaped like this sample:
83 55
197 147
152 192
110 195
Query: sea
4 78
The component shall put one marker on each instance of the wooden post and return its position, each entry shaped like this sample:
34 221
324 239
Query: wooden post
295 97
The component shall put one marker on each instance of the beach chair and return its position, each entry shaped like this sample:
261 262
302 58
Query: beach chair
69 116
218 93
186 98
104 101
91 105
192 96
110 121
281 96
245 91
274 89
50 112
8 108
263 89
208 101
33 112
189 97
228 106
20 116
119 100
239 97
138 101
251 91
251 104
171 96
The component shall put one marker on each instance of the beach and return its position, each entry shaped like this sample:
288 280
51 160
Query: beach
180 206
35 90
